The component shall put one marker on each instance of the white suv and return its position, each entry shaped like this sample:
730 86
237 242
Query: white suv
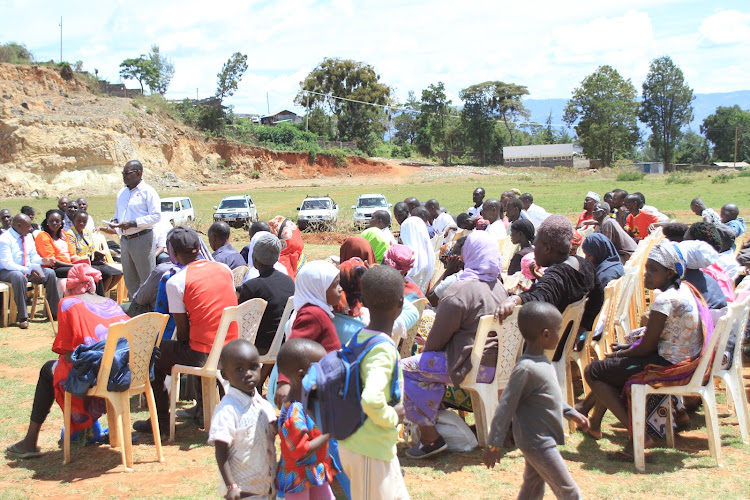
366 205
317 212
237 211
178 210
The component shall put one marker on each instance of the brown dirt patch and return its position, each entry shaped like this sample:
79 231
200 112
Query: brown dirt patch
324 238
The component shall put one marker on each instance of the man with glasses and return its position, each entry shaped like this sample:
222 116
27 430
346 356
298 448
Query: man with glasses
138 209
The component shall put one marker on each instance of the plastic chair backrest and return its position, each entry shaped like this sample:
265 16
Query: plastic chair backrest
248 316
142 333
100 242
238 273
278 338
228 316
509 345
611 292
437 242
571 321
702 370
735 320
621 320
405 345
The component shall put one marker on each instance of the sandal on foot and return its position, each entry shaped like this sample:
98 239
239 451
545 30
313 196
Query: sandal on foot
14 452
596 435
421 451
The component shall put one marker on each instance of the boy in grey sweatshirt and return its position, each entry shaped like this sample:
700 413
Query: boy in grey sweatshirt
532 401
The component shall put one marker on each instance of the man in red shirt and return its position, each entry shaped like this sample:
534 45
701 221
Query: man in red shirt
588 208
197 297
638 221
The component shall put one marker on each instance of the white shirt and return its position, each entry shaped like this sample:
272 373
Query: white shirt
244 423
388 235
161 229
443 221
141 204
536 214
497 229
11 252
253 273
474 211
654 211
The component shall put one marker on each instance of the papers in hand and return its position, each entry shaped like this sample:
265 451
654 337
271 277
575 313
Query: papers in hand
36 268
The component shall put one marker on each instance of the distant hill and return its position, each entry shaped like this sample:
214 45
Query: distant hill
703 105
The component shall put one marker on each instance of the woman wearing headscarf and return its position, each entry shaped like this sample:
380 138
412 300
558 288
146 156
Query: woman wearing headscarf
522 234
674 337
292 253
401 258
357 246
446 357
414 235
251 271
601 252
83 318
316 292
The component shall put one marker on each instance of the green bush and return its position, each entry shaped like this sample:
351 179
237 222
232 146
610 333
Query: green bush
339 155
744 173
630 176
406 150
722 178
679 178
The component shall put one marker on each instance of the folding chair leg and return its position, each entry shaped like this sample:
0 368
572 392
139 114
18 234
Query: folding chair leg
479 421
209 391
173 395
669 430
66 438
638 419
48 310
155 420
712 424
124 421
114 435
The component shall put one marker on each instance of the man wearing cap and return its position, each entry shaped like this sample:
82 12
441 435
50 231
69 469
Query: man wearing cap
138 209
588 208
197 297
272 286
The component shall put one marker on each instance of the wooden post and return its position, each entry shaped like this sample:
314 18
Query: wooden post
307 115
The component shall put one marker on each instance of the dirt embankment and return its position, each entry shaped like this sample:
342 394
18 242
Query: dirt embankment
57 138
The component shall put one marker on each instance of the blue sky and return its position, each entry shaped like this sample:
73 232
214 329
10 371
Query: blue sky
549 46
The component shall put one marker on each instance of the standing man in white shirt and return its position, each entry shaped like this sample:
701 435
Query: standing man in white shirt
138 209
20 263
478 198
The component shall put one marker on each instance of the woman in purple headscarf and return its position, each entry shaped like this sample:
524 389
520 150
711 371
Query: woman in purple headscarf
446 357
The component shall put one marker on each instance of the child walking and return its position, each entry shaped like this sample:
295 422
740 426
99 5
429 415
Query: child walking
369 455
305 469
533 402
243 427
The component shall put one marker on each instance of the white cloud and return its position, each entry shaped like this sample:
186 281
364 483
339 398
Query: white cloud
726 27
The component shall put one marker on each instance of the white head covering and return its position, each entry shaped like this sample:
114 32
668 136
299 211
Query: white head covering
251 271
593 196
698 254
670 256
313 280
414 235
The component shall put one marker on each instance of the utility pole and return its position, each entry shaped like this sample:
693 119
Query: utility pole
268 105
736 140
307 115
196 93
61 59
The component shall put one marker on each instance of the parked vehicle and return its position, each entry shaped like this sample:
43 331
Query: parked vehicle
178 210
366 205
237 211
317 212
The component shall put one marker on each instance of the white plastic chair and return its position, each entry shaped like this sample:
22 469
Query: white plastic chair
607 318
278 339
484 397
623 321
695 387
406 345
209 372
733 376
142 333
571 321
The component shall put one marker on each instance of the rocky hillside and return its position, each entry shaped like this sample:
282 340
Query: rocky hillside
56 138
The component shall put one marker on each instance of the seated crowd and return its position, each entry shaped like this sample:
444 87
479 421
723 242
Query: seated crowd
375 289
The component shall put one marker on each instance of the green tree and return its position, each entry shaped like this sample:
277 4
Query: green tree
477 120
164 71
140 68
692 149
667 106
435 109
15 53
605 111
358 119
722 128
503 101
406 121
231 74
320 124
